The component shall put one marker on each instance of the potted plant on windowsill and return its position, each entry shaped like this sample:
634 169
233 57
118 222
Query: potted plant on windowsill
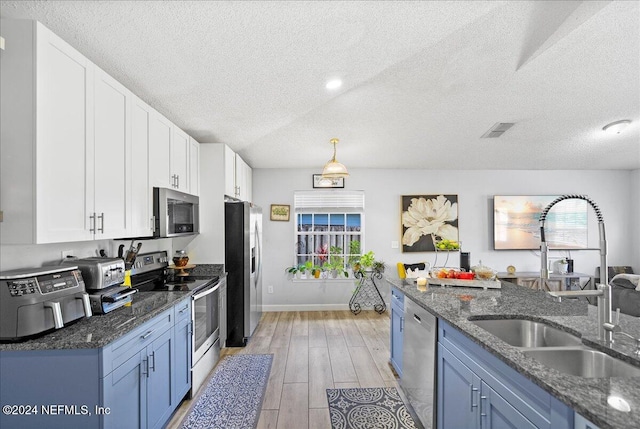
296 271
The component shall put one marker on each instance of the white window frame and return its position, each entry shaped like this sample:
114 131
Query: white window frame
327 203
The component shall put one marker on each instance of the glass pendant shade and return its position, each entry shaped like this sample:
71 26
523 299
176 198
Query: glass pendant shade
333 169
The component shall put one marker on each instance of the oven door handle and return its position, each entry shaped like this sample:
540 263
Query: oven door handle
206 292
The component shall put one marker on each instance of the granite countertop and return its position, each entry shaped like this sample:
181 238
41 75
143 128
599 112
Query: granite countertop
587 396
100 329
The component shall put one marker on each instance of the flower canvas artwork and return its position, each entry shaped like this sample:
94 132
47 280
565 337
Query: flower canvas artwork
427 219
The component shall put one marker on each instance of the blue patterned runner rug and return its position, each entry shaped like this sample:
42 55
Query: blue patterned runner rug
233 397
370 408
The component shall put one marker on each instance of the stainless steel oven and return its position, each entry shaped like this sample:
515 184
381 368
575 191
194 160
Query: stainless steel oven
149 275
205 333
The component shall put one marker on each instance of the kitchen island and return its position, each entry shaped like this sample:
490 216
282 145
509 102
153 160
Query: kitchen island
586 396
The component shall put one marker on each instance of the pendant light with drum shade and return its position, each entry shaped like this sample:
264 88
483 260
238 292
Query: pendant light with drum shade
333 169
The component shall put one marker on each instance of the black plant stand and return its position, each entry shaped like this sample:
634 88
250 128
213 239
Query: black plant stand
367 293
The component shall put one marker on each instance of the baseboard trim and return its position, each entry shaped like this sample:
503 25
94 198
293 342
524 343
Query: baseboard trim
304 307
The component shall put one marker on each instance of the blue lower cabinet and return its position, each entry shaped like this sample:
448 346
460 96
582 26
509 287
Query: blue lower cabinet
397 329
136 381
125 393
457 405
182 360
582 423
159 397
496 412
138 392
477 390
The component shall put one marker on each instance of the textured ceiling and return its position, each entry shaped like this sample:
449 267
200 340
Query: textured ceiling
422 80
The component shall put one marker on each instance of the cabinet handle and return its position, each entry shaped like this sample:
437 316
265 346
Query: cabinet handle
145 336
153 224
186 307
417 318
153 355
471 390
92 228
402 324
177 181
145 367
101 217
482 397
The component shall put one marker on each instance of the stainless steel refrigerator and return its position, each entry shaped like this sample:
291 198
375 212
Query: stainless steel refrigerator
243 263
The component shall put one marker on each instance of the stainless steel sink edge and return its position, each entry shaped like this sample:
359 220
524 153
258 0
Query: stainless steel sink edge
551 323
595 359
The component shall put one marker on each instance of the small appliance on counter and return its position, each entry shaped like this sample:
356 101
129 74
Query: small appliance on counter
103 280
36 300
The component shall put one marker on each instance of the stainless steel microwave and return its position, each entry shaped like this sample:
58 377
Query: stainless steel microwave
175 213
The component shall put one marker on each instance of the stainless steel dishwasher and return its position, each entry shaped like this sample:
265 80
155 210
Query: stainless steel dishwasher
419 362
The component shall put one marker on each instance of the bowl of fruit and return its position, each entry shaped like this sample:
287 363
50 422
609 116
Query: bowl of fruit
464 275
446 244
444 273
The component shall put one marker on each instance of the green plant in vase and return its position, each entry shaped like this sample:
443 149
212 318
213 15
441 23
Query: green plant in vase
354 254
296 270
378 266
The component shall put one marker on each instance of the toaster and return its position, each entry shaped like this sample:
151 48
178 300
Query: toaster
99 273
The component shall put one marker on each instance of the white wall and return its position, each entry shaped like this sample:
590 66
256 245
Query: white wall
208 246
475 189
634 237
14 256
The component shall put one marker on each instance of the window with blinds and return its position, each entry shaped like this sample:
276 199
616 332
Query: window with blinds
329 228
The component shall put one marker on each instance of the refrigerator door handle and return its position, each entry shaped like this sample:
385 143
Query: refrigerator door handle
258 253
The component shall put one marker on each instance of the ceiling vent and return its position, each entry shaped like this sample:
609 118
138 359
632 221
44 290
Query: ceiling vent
497 130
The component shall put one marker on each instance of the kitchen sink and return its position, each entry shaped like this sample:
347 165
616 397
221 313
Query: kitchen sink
583 362
527 333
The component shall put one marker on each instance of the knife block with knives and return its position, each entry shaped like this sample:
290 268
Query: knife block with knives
130 257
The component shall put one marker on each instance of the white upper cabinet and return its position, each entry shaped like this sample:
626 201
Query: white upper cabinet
141 195
45 130
229 172
80 153
170 156
243 179
237 176
194 167
179 160
160 151
111 163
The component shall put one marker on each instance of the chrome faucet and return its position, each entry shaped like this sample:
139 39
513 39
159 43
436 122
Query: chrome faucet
615 328
603 291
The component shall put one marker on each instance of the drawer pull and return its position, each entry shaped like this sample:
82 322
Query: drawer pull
186 307
148 334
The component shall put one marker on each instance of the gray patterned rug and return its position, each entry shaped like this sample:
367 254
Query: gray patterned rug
370 408
233 396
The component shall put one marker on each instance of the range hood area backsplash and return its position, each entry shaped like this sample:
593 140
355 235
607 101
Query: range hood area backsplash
15 256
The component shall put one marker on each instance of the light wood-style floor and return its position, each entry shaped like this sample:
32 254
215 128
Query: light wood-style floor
312 352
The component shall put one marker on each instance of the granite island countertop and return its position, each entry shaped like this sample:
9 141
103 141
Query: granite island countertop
101 329
587 396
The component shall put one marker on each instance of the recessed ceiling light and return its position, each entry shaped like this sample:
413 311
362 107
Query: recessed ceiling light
334 84
617 126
